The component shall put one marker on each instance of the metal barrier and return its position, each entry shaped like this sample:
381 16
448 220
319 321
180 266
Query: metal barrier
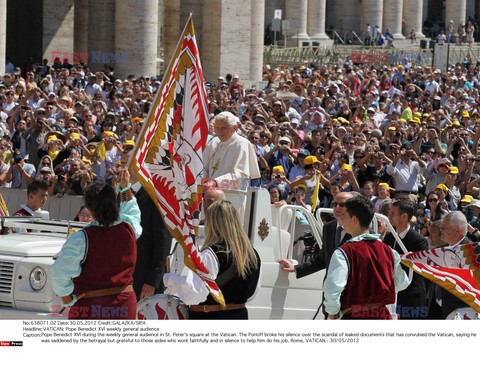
321 55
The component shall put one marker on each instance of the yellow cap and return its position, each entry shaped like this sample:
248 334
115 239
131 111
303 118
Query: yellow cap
74 136
108 134
301 186
278 169
392 128
456 123
402 121
442 187
86 160
52 138
417 115
467 198
346 167
384 185
453 170
136 119
310 160
465 114
415 120
129 143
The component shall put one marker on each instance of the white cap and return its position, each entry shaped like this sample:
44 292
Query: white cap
475 203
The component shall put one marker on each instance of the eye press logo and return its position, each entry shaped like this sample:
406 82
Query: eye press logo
92 57
11 343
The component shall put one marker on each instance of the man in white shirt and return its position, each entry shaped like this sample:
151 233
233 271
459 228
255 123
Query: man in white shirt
454 233
441 38
36 101
92 86
9 102
229 156
405 169
432 85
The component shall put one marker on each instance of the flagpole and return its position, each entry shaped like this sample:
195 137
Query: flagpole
160 89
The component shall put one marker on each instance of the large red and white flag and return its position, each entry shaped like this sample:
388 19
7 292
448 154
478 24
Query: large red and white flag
169 150
453 268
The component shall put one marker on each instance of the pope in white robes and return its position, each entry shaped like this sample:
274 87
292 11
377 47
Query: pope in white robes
228 156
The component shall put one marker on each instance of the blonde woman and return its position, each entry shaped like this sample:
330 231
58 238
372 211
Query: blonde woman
232 262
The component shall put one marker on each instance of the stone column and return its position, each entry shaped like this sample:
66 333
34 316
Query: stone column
316 19
226 51
3 34
136 27
257 31
392 18
455 10
80 24
296 13
57 29
101 32
172 28
161 37
372 11
413 16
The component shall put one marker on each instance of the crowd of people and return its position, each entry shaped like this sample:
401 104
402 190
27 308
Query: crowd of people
390 132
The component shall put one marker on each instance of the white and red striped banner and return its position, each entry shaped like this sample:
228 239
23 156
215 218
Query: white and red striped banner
453 268
168 153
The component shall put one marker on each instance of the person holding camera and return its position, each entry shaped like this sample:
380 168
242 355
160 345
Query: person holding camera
78 177
20 173
405 168
298 199
281 155
280 181
113 149
60 187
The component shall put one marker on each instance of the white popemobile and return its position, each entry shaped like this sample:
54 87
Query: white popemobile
26 260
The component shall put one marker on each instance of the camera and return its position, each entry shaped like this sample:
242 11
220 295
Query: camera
277 176
17 160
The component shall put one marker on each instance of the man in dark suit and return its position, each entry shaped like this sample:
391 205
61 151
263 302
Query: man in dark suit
454 233
153 248
415 295
333 236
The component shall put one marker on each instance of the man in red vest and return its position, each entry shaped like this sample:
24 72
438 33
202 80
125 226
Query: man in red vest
37 195
364 273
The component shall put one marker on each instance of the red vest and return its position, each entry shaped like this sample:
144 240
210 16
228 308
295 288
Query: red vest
109 260
370 277
22 212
